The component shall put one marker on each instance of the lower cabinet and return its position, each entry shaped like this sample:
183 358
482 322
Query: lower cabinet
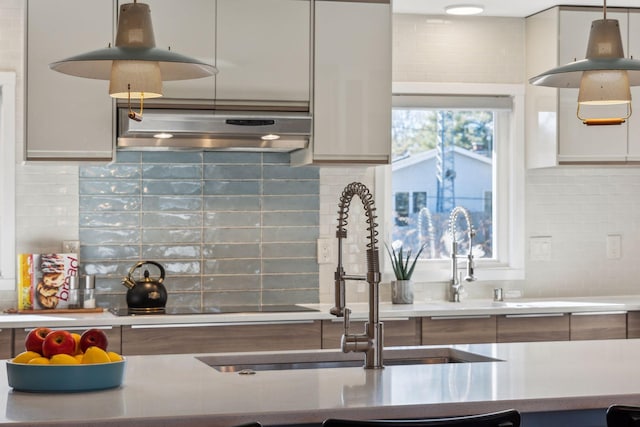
113 335
598 326
6 344
458 330
533 327
633 324
214 338
396 332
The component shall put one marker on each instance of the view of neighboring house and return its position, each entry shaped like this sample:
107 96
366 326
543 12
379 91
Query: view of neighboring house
415 182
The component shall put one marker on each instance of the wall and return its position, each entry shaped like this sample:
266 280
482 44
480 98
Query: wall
577 207
229 228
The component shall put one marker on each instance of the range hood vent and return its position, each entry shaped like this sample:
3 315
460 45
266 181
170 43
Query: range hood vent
213 129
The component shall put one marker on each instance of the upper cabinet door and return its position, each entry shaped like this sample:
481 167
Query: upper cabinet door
352 83
67 118
263 50
633 154
186 27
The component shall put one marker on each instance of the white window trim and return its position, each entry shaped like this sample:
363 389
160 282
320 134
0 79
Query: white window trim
7 181
510 259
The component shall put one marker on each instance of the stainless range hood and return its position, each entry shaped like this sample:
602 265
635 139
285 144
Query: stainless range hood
213 129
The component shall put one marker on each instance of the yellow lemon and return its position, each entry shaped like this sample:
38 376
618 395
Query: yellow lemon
63 359
79 357
95 355
39 361
113 356
26 356
76 338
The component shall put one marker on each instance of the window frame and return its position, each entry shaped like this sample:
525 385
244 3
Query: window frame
509 256
7 181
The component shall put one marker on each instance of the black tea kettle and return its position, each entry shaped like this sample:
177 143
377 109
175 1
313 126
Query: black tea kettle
147 294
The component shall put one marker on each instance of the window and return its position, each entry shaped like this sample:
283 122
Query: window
460 150
419 201
7 180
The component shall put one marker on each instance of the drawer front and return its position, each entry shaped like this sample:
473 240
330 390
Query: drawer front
531 328
458 330
220 338
598 326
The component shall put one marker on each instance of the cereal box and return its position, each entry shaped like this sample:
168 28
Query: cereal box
50 281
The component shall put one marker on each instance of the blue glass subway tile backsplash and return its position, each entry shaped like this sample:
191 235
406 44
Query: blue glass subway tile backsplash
228 227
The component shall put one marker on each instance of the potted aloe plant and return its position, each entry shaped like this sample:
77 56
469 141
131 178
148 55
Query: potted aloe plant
403 266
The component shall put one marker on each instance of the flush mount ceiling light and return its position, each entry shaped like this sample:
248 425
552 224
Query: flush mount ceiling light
604 77
464 9
134 67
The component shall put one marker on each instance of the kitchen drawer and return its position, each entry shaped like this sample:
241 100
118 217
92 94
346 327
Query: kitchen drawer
633 324
6 344
458 330
396 332
215 338
598 326
533 327
113 335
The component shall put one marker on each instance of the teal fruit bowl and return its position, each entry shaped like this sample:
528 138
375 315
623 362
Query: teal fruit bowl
65 378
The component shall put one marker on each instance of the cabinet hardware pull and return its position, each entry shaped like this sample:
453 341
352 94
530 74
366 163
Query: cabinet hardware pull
597 313
460 317
535 315
198 325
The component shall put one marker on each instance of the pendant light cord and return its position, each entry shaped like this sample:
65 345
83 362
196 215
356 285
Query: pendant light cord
604 9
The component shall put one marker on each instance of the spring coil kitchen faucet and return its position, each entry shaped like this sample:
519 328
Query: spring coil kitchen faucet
455 282
371 341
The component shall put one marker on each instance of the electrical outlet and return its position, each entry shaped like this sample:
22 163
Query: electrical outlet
70 246
325 251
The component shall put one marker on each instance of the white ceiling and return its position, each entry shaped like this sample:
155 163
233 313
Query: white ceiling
515 8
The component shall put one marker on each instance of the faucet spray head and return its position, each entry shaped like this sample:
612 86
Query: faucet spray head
470 269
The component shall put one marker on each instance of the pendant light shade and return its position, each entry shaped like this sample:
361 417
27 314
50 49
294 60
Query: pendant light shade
604 77
134 67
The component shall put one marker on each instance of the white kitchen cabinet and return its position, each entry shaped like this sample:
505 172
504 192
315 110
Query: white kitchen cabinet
263 50
67 118
186 27
554 134
352 84
260 47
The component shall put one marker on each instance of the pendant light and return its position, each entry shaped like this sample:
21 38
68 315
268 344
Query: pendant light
604 77
134 67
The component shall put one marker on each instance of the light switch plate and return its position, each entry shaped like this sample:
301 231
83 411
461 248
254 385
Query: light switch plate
540 248
614 246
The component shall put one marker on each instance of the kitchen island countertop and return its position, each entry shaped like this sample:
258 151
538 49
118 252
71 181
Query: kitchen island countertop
180 390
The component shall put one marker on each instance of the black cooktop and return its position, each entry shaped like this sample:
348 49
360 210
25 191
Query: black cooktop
124 311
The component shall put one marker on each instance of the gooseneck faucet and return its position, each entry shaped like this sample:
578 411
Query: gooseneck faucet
455 282
371 341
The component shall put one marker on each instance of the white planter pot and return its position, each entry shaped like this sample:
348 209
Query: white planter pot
402 292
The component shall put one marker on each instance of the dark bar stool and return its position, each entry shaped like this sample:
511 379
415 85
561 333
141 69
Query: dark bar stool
623 416
508 418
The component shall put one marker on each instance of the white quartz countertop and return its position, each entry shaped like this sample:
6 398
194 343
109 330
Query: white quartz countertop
388 311
179 390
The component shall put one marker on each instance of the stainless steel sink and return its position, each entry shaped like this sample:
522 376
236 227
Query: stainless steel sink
249 364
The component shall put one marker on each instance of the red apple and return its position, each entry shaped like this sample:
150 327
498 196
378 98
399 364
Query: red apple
35 338
93 337
58 342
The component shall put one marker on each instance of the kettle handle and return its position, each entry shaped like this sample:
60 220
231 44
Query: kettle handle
141 263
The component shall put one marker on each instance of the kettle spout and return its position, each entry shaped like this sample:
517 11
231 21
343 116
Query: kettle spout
128 282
